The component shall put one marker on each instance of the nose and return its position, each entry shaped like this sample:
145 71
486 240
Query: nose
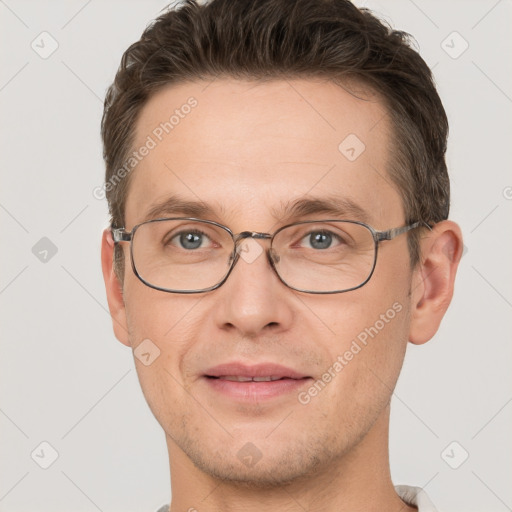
253 299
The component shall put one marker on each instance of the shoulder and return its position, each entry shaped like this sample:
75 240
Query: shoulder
415 496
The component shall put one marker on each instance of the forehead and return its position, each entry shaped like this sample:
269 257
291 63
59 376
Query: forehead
246 148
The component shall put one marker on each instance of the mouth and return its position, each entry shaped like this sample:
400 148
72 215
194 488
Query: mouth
245 389
242 378
255 383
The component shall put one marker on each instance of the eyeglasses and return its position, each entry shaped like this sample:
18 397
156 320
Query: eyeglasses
189 255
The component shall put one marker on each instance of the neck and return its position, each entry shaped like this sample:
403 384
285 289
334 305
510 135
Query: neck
357 480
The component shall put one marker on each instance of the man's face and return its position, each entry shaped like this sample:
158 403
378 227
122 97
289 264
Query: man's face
246 150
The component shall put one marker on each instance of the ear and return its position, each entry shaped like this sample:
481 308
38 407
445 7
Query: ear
114 289
433 279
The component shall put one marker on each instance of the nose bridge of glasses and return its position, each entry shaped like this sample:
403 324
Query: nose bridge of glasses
273 257
252 234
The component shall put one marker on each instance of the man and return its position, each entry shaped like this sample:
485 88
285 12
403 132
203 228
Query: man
279 201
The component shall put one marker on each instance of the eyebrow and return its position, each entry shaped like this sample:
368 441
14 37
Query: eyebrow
337 207
176 205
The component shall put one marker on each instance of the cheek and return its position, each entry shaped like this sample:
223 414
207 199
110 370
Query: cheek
366 340
159 325
385 341
368 360
363 362
152 313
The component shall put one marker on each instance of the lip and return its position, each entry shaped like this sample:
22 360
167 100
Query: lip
251 391
257 370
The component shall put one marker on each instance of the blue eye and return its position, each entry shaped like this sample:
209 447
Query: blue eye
320 240
189 240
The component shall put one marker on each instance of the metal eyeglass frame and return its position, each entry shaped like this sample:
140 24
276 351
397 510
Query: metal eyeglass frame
121 235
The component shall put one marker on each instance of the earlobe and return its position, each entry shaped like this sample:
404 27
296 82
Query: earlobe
433 282
113 288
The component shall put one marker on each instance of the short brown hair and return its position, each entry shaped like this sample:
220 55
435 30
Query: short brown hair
272 39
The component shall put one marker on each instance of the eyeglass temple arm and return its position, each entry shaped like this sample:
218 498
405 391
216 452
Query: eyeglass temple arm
394 232
120 235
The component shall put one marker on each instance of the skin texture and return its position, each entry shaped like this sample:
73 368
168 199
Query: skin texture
245 149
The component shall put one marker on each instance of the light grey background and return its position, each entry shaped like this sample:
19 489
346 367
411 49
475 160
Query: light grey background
64 378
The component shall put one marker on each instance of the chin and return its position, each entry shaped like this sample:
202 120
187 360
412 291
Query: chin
274 465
